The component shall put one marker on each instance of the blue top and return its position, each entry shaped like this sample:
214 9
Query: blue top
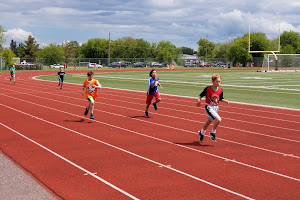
154 89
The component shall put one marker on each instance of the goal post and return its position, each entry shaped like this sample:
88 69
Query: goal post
273 52
83 64
281 62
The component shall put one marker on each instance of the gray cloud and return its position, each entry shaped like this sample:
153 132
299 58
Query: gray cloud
183 22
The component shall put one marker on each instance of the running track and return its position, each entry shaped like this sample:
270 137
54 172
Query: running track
122 155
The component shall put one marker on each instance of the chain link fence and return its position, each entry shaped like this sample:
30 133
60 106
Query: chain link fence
3 65
38 63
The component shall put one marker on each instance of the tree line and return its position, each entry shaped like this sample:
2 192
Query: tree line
235 51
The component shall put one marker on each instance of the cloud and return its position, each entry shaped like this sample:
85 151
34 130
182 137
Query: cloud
16 34
179 21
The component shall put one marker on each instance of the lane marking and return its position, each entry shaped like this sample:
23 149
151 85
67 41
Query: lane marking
231 119
68 161
236 102
118 148
231 128
130 131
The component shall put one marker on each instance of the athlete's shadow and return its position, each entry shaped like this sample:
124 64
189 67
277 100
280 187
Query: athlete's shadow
80 121
195 143
140 116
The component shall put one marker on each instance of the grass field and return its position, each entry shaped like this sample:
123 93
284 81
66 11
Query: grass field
274 89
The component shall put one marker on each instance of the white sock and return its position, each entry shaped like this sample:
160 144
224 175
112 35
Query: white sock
213 131
202 131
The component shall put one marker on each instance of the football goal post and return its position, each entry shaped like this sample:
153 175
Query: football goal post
285 62
83 64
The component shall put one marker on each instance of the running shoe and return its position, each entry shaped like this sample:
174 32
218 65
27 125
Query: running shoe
213 137
92 116
146 114
201 137
86 111
155 106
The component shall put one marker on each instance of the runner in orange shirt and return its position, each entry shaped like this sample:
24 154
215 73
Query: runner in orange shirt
90 87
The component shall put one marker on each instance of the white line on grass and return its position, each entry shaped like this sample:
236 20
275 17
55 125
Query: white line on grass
236 102
184 105
199 83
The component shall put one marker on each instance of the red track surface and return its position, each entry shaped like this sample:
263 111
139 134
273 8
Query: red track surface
122 155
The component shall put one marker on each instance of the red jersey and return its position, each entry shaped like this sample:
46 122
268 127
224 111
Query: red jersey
212 97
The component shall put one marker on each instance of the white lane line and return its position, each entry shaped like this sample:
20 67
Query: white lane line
236 120
230 141
231 119
66 160
158 139
172 95
118 148
196 83
187 106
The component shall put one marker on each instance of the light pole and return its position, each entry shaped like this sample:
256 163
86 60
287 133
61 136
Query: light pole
206 50
108 48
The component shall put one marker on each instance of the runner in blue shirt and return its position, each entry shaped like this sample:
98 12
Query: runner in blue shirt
153 91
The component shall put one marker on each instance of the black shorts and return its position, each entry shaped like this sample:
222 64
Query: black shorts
61 79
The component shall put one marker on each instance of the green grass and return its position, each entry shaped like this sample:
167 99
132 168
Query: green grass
275 89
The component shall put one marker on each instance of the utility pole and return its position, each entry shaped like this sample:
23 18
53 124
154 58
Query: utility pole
206 49
108 48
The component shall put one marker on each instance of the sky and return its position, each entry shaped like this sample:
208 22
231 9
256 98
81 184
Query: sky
182 22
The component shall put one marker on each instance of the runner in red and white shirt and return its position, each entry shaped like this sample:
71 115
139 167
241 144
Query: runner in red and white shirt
213 94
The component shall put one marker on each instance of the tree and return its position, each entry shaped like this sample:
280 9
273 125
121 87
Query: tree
288 49
2 39
52 54
70 49
290 38
143 49
222 49
274 44
238 51
259 42
32 48
9 55
13 46
126 47
21 50
94 48
186 50
166 51
205 45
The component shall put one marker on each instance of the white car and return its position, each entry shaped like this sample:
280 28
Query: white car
57 66
94 65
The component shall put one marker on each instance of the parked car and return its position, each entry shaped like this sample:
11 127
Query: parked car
204 64
117 64
56 66
220 64
25 63
189 64
94 65
156 64
139 64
